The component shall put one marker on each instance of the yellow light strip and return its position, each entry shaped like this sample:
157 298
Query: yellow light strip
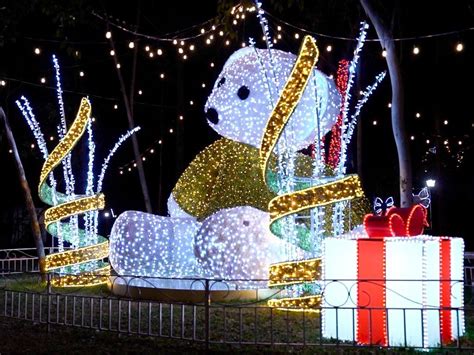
78 206
345 188
71 208
289 98
77 256
84 279
294 272
297 303
66 144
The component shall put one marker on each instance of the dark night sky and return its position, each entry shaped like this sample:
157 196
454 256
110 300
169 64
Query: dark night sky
437 85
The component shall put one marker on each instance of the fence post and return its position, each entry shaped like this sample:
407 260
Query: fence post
207 302
48 293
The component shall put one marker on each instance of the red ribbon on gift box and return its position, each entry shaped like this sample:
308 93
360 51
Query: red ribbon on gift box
397 222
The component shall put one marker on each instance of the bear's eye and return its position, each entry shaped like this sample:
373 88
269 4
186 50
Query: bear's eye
221 82
243 92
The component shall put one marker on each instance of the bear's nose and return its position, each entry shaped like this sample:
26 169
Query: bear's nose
212 115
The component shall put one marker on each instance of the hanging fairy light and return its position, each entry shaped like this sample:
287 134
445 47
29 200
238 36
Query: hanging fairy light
147 48
416 50
108 34
417 115
43 80
112 52
459 47
159 52
37 51
384 53
131 45
329 48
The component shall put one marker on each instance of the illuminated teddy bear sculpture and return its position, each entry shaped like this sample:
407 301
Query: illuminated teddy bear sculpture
218 220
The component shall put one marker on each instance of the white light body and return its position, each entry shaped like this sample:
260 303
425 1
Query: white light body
232 243
245 120
412 271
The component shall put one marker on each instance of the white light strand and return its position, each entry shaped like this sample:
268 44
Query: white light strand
34 125
111 153
59 92
88 216
267 81
347 134
266 33
347 96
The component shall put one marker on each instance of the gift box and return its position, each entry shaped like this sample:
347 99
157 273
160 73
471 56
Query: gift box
393 291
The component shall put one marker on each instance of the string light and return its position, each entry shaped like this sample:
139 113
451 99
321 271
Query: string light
115 107
329 48
140 92
159 52
416 50
81 74
151 54
3 83
43 80
118 66
445 122
384 53
412 138
131 45
162 75
180 50
108 35
112 52
297 35
417 115
191 47
191 102
171 130
374 123
37 51
185 57
147 48
459 47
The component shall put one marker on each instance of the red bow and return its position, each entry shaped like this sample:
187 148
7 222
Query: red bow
400 222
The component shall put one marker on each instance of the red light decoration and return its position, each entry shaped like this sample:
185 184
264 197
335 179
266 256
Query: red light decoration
399 222
335 142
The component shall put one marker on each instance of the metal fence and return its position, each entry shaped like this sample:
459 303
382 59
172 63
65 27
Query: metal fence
20 260
208 322
244 323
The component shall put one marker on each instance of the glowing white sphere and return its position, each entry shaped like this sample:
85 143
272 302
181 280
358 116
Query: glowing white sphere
142 244
246 91
235 243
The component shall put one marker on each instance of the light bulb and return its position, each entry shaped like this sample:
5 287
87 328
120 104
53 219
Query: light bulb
37 51
43 80
112 52
191 47
81 74
384 53
297 35
131 45
159 52
147 48
416 50
108 34
329 48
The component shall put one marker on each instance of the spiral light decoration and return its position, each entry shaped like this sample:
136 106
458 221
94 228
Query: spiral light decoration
89 267
338 189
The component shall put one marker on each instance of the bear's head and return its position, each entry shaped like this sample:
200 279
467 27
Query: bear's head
247 89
